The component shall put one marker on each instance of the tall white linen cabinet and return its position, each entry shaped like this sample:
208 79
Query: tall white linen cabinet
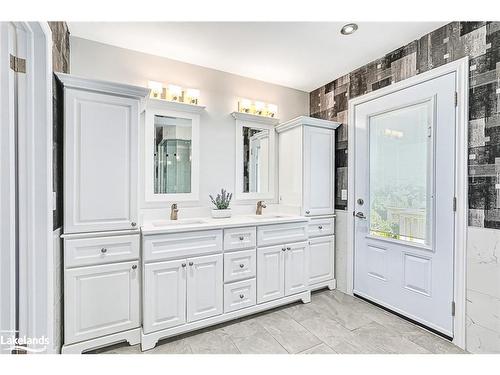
101 230
306 166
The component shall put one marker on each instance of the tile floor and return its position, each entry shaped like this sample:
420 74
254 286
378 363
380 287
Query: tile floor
332 323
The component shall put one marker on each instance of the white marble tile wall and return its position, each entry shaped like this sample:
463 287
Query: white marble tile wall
483 290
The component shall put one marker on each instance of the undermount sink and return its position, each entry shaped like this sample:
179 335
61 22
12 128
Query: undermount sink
167 223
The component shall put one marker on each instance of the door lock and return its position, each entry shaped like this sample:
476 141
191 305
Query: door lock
360 215
360 201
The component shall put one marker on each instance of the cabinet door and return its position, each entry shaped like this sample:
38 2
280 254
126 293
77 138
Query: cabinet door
100 300
204 287
296 268
321 259
164 295
270 273
100 165
319 169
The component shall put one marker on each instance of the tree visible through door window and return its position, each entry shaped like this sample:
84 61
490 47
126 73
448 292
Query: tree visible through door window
400 173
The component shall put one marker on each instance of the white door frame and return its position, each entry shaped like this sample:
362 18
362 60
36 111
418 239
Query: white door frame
460 68
36 294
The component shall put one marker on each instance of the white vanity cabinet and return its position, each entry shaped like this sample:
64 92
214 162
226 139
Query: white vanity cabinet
307 165
307 185
102 276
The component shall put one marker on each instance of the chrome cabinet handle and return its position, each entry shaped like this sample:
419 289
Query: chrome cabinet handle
103 250
242 296
360 215
320 227
308 212
283 249
133 223
242 265
289 248
190 263
134 267
183 264
242 238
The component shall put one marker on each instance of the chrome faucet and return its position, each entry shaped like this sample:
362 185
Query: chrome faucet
173 211
260 206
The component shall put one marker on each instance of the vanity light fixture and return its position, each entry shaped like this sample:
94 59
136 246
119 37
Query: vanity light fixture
174 93
348 29
257 107
156 89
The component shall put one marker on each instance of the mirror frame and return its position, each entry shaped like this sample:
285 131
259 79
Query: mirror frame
258 122
170 109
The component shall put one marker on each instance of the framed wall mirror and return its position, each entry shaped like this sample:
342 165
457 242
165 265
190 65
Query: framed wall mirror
171 152
255 157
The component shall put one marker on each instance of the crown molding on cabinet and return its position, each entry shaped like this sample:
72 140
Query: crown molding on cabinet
255 118
175 106
309 121
97 85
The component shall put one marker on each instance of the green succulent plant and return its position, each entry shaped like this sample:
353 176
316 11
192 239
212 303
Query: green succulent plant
222 200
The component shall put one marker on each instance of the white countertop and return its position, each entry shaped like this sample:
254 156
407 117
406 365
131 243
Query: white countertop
206 223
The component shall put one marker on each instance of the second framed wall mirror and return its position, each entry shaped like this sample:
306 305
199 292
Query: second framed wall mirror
255 174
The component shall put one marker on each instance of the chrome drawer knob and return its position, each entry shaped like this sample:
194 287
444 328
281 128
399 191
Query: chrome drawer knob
242 296
283 249
320 227
190 263
242 238
289 248
133 223
183 264
308 212
242 265
134 267
103 250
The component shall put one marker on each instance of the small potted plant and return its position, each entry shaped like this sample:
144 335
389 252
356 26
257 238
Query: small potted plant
221 203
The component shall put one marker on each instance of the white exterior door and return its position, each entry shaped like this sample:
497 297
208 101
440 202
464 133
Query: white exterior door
270 273
164 303
100 300
296 268
319 169
101 154
321 259
204 287
404 190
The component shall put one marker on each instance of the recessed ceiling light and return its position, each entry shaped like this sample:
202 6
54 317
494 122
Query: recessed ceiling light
349 29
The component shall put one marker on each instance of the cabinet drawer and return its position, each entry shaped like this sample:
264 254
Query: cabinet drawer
324 226
100 250
239 265
239 238
177 245
277 234
239 295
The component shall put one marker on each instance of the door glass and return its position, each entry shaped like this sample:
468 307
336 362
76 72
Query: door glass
400 173
172 155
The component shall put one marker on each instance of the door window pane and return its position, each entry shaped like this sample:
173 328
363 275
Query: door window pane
400 173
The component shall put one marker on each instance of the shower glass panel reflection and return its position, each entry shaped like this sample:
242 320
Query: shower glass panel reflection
172 155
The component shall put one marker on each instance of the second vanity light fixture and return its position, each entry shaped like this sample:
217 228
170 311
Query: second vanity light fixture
174 93
257 108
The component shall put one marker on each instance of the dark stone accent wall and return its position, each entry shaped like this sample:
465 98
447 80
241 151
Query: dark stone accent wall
60 63
478 40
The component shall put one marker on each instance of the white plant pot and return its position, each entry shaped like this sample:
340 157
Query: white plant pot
221 214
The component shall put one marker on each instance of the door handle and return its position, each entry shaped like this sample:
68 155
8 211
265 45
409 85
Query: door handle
360 215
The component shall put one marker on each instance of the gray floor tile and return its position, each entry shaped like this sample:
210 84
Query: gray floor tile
290 334
319 349
212 342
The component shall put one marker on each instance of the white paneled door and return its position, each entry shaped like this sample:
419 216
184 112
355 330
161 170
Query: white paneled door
404 201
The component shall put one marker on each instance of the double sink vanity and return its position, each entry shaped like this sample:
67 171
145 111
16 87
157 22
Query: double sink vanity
131 278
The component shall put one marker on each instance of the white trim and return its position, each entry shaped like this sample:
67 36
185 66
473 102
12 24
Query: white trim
307 121
255 118
132 336
247 121
75 82
460 68
171 109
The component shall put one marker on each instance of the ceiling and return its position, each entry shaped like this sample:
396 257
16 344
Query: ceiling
300 55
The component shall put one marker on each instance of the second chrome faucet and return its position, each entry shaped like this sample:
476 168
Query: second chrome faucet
173 211
260 206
